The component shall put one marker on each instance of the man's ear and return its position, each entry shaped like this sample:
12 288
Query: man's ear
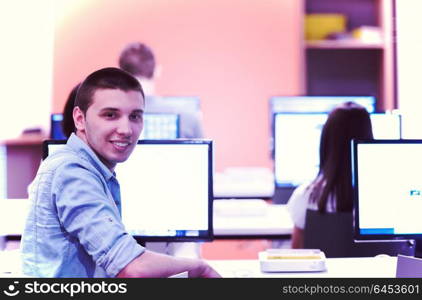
79 119
157 72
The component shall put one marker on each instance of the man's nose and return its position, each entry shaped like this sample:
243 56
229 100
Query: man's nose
124 127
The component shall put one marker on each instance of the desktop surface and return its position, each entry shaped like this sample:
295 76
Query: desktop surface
362 267
355 267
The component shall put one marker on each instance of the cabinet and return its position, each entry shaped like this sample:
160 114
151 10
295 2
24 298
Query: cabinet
22 159
352 66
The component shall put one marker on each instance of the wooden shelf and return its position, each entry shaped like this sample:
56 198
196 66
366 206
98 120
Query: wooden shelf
343 44
25 140
353 66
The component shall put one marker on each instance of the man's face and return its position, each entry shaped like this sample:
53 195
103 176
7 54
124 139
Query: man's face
112 124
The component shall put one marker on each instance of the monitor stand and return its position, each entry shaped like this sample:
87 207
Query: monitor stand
410 266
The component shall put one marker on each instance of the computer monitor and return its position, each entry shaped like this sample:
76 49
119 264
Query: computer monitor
317 104
160 126
56 129
51 146
166 189
387 189
297 140
156 126
312 104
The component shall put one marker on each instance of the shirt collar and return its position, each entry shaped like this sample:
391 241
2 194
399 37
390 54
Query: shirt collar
85 152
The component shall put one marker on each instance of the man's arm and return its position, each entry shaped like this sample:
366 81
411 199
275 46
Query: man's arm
151 264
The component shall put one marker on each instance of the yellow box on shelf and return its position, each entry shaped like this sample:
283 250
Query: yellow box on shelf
318 26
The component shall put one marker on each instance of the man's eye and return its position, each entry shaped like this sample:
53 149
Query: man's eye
109 114
136 117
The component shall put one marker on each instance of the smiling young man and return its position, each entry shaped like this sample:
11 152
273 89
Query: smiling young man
74 227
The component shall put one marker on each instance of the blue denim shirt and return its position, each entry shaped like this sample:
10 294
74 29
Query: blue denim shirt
74 227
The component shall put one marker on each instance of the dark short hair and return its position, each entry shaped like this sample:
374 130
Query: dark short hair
68 125
107 78
345 122
138 59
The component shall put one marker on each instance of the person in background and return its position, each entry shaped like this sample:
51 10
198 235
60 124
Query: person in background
74 226
68 125
331 190
139 60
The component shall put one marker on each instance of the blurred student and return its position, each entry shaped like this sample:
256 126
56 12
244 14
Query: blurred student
74 226
139 60
331 190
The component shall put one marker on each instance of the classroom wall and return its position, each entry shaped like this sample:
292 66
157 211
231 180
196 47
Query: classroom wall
233 54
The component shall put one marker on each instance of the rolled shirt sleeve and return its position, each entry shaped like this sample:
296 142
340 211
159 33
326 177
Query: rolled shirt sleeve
87 212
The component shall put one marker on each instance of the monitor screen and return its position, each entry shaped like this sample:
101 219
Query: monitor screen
320 104
156 126
56 130
160 126
387 189
166 189
297 139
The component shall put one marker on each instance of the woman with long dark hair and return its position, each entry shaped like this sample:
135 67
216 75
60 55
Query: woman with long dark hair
331 190
67 124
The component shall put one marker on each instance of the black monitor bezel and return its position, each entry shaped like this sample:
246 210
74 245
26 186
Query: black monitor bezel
47 142
210 232
355 186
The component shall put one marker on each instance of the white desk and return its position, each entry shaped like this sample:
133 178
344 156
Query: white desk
371 267
12 216
10 264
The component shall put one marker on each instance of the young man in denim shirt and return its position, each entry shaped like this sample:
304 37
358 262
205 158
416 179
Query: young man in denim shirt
74 227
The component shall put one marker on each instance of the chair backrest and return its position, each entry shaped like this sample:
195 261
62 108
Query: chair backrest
333 234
